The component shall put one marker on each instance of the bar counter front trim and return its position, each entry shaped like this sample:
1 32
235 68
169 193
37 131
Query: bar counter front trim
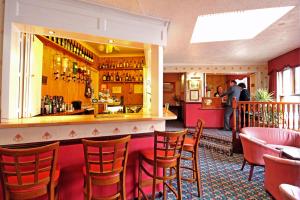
59 128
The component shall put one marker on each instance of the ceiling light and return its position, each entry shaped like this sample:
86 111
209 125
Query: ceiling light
238 25
51 32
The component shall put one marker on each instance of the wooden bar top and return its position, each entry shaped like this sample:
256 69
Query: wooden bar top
83 119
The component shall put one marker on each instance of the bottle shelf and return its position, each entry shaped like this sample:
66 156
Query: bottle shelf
121 81
120 69
49 42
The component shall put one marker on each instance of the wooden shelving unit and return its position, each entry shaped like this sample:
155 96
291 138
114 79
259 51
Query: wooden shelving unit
120 69
49 42
121 82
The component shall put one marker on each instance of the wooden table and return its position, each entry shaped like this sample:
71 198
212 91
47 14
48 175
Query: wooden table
291 153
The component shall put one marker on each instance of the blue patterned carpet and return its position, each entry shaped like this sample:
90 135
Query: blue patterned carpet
221 178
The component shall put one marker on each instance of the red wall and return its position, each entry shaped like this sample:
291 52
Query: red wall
291 58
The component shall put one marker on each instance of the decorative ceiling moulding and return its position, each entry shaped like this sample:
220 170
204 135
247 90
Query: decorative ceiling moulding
217 68
93 19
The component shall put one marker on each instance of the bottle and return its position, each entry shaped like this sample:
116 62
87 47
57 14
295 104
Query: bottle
107 77
50 105
104 77
117 77
126 77
112 77
74 48
141 78
54 108
42 106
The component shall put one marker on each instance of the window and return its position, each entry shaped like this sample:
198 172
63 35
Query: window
297 80
287 82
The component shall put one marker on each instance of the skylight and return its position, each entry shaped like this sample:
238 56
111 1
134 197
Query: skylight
239 25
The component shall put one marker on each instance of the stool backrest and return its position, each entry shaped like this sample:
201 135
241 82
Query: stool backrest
168 145
26 168
106 157
198 131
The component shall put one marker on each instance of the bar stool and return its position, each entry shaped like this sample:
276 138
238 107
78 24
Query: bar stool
166 156
191 145
29 173
105 164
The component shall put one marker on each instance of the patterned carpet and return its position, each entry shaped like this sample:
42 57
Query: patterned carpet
222 178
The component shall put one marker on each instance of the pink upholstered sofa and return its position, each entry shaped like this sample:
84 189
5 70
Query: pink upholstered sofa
279 171
257 141
289 192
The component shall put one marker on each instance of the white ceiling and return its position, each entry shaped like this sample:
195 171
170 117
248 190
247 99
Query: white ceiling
279 38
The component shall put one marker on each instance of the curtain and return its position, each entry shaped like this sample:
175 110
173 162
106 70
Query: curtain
273 82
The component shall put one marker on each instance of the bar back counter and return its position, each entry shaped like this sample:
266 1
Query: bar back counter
69 130
210 110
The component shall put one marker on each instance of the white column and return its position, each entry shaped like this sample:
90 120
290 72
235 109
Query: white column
157 80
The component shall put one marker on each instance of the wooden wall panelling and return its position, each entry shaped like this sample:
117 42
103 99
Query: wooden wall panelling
213 81
176 79
72 90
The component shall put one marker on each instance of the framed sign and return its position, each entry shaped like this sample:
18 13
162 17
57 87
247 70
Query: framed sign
194 95
169 87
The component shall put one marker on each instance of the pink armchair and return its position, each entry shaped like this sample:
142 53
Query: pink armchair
257 141
254 151
279 171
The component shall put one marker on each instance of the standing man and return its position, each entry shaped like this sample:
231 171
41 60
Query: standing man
233 91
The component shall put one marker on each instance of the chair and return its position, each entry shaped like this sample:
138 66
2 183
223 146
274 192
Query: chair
289 192
29 173
279 171
191 145
105 164
166 155
254 150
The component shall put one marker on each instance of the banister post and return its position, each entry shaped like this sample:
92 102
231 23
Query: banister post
236 142
234 108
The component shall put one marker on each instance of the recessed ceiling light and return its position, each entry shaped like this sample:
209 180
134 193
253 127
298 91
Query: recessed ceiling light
238 25
51 32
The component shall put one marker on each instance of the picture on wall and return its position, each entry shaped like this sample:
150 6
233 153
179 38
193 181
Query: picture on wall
194 95
169 87
194 84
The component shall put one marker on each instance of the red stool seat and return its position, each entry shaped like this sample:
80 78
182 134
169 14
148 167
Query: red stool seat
188 144
148 156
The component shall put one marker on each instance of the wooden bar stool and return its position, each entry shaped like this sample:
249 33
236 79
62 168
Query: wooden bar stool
105 164
166 156
29 173
191 145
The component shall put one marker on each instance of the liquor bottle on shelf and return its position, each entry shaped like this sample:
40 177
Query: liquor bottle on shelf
54 108
111 77
104 77
117 77
141 78
43 109
108 76
63 42
126 77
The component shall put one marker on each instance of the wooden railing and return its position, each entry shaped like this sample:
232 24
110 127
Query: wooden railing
284 115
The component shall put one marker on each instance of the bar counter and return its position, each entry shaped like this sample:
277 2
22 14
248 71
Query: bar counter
58 128
82 119
70 129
